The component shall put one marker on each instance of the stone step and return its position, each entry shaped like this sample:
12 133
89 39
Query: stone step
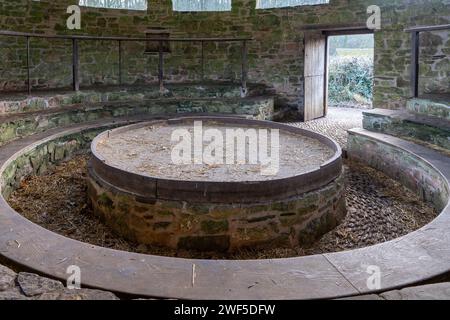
24 124
421 128
439 108
11 103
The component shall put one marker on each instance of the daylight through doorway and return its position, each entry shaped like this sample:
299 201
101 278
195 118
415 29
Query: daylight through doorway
350 71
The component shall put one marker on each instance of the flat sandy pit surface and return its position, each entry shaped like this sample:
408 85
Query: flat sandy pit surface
148 151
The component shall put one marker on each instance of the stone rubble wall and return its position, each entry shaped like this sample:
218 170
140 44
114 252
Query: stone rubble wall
220 227
434 62
430 108
434 134
275 56
25 116
49 100
37 160
411 171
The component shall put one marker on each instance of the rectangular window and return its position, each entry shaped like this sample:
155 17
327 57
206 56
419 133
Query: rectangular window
268 4
115 4
201 5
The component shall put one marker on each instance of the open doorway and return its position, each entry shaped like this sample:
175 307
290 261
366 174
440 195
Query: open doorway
350 71
338 70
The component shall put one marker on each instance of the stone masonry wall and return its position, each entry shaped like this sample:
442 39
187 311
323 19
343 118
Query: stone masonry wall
412 171
432 135
89 105
435 62
275 55
39 159
219 227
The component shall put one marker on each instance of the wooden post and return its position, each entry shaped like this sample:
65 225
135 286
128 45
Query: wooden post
28 66
161 67
415 37
75 65
244 68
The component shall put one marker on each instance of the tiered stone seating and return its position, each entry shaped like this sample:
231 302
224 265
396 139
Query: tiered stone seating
424 121
21 116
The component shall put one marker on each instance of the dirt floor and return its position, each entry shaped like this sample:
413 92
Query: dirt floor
379 209
145 151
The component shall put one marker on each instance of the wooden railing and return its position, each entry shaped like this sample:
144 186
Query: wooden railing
76 61
415 53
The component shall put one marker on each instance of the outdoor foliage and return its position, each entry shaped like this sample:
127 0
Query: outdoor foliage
201 5
267 4
350 80
116 4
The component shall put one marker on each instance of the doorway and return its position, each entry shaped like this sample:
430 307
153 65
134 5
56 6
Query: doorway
338 70
350 71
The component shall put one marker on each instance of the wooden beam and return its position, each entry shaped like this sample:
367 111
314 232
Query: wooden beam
333 27
343 32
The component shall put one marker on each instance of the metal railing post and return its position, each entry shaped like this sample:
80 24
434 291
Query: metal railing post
75 65
161 67
244 69
76 57
415 37
28 66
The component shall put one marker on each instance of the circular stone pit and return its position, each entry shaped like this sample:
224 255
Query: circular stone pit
417 257
142 195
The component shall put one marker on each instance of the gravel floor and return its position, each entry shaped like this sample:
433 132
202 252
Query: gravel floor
335 124
379 209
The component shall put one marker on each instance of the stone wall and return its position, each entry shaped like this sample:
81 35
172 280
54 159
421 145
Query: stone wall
435 62
410 170
50 111
275 55
39 159
431 132
219 227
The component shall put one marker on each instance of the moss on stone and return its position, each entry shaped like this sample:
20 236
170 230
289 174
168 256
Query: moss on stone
105 201
214 227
